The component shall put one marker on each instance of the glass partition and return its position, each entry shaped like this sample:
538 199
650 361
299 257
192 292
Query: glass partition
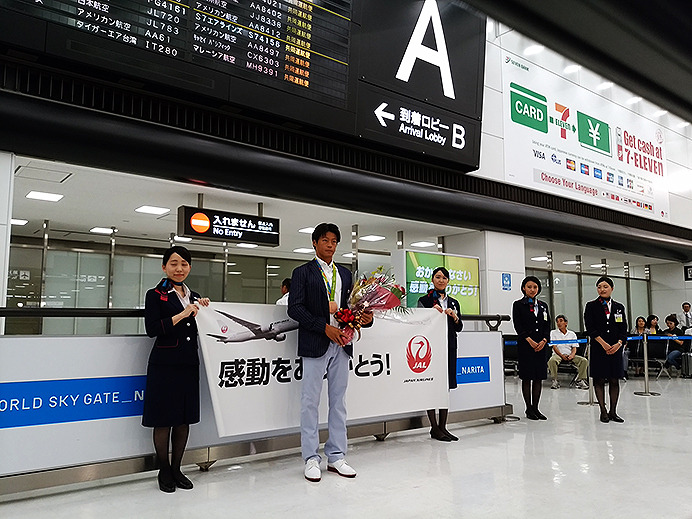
566 299
24 289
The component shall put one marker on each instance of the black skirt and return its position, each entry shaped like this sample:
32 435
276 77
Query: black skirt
604 365
171 396
533 365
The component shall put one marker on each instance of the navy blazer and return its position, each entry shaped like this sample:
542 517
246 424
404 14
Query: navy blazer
527 323
308 303
610 329
174 344
428 301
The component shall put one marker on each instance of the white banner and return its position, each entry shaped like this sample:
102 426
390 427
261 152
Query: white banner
254 372
566 140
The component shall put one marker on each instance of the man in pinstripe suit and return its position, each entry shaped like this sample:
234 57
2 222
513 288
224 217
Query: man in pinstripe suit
318 289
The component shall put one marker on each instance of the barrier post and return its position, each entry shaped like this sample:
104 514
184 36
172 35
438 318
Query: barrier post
646 391
591 400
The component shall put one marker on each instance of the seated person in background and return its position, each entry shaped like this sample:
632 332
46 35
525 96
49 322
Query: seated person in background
566 352
685 318
652 325
675 346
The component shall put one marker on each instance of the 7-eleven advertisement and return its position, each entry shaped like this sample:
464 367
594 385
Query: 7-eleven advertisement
568 141
399 366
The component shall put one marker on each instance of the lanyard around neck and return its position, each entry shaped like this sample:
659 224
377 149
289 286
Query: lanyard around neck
331 287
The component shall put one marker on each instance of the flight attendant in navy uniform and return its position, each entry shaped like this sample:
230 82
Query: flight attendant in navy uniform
532 324
606 326
171 396
437 299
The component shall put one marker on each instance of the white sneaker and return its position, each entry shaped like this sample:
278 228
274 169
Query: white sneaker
581 384
312 470
342 468
556 384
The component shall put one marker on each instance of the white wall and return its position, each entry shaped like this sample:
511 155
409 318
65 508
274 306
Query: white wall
498 253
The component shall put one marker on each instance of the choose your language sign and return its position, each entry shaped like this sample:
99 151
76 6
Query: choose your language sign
194 222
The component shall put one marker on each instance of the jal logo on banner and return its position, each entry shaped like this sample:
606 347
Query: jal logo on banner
418 354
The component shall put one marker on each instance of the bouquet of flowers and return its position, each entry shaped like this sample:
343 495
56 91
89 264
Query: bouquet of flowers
376 292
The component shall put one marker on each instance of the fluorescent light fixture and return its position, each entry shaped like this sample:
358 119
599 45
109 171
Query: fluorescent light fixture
599 265
571 262
604 86
46 197
268 275
247 245
230 264
102 230
423 244
683 124
273 266
182 239
660 113
151 209
373 237
348 255
306 230
303 250
571 69
234 272
18 221
539 258
633 100
533 49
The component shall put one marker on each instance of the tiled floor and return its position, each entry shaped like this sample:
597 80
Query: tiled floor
570 466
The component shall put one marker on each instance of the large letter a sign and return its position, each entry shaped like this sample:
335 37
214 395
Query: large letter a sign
416 50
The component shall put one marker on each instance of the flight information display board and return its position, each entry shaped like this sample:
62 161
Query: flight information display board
295 45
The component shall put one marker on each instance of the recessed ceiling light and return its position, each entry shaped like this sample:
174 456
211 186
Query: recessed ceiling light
272 275
539 258
151 209
605 85
683 124
247 245
18 221
633 100
230 264
306 230
423 244
660 113
102 230
273 266
348 255
182 238
234 272
47 197
373 237
599 265
303 250
533 49
571 69
571 262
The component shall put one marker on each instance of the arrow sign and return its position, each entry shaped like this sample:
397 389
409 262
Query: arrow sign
382 115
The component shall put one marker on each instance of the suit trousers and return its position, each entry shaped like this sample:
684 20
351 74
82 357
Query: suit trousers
335 364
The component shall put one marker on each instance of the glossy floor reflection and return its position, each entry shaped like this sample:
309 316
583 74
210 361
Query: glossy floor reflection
570 466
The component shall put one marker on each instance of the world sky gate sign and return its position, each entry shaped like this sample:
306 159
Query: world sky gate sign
422 88
209 224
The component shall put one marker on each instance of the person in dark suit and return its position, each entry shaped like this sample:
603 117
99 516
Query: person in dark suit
532 323
437 299
171 396
606 325
318 289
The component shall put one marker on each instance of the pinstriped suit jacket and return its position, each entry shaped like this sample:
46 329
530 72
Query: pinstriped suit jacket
308 303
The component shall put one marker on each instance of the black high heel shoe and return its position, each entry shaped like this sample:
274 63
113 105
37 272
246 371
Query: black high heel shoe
531 415
604 417
439 436
166 482
615 418
538 414
450 435
181 481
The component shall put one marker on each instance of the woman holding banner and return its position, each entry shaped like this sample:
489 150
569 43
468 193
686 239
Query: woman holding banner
532 324
606 326
171 398
438 299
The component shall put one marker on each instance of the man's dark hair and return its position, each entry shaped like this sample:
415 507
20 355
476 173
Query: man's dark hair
322 230
180 251
561 317
286 283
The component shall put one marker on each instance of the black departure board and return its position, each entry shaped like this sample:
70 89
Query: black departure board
296 45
